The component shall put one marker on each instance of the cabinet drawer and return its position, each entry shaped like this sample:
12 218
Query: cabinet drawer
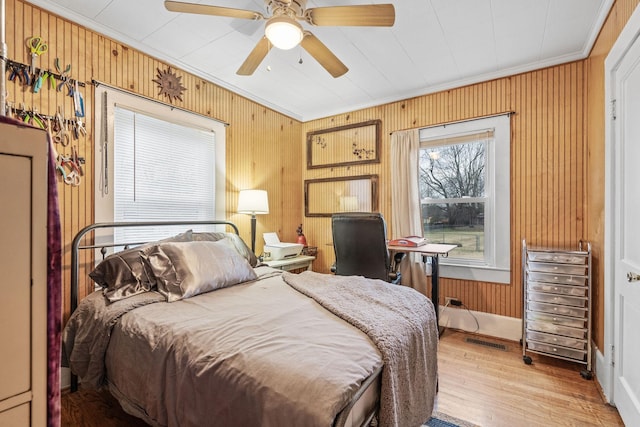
18 416
551 328
563 279
573 322
557 340
557 299
557 350
563 310
564 258
558 268
576 291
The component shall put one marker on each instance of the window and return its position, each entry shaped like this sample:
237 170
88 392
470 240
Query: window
161 164
464 196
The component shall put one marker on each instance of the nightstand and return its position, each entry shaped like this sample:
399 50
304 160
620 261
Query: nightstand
301 262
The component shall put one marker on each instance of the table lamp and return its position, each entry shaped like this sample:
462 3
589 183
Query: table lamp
253 202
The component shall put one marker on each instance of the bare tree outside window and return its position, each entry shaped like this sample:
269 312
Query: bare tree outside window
452 194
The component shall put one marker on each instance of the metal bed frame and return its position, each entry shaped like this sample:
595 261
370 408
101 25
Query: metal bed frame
341 418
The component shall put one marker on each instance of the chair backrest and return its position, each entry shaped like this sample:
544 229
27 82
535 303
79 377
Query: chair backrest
360 246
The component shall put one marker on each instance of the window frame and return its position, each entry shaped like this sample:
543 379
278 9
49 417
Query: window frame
496 266
104 200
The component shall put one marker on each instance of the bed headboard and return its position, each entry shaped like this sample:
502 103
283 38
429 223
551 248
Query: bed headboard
76 247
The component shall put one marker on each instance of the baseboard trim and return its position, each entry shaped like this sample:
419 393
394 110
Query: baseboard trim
493 325
603 374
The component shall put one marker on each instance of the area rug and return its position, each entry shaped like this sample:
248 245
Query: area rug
439 419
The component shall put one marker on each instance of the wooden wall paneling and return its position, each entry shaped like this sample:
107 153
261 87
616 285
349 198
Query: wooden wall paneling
567 166
546 139
94 56
550 137
595 115
576 155
547 158
554 159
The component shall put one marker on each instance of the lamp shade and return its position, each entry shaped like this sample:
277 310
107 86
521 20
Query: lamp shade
253 202
283 32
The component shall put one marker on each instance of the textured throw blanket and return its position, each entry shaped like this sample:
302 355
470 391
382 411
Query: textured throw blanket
401 323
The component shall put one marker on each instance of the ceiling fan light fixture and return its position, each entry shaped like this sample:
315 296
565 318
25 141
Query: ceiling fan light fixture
283 32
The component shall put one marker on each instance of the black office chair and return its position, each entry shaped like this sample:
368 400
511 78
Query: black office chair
360 246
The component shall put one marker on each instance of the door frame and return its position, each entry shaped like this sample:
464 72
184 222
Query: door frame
628 35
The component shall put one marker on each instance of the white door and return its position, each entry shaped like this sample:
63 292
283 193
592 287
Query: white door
626 235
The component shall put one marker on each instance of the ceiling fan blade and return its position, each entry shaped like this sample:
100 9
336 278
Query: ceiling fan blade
202 9
369 15
255 57
323 55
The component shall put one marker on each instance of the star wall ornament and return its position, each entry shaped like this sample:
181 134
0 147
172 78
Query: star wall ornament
169 84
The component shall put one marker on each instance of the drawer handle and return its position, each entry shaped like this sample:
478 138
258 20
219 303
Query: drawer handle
633 277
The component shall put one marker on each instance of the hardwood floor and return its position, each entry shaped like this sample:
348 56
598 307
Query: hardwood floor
494 388
484 385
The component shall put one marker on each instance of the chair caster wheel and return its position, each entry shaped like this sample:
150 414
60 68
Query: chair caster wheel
527 360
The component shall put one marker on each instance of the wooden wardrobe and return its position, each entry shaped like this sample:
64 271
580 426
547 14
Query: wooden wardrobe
23 276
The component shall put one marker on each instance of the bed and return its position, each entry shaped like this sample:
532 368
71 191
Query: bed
191 330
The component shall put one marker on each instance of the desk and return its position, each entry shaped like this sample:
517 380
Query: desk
433 251
294 263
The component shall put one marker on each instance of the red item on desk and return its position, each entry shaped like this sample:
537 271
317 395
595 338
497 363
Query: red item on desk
409 241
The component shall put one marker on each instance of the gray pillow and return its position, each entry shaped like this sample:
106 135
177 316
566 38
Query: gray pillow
237 241
124 273
186 269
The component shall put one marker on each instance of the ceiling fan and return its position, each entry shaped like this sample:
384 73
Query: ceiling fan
283 31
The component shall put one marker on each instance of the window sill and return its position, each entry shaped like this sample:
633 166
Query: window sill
480 274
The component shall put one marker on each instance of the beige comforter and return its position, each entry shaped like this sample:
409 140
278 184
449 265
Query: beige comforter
231 357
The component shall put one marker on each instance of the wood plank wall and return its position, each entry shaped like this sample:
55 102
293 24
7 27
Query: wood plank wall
255 132
557 155
557 172
597 112
547 166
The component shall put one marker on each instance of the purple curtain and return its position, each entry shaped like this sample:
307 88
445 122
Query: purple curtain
54 287
54 293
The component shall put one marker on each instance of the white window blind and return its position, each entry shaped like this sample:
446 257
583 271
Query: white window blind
162 171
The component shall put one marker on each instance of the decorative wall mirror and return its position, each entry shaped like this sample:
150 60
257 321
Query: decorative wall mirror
325 196
344 145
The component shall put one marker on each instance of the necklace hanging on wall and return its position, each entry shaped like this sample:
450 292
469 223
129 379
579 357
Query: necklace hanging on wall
169 84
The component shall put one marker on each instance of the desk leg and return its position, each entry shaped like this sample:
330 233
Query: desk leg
435 293
435 289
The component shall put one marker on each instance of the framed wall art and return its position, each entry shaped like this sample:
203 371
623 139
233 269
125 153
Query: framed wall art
325 196
344 145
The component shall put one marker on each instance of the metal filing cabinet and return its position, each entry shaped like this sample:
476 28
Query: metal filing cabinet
557 304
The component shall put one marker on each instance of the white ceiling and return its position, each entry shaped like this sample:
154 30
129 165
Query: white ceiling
434 45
